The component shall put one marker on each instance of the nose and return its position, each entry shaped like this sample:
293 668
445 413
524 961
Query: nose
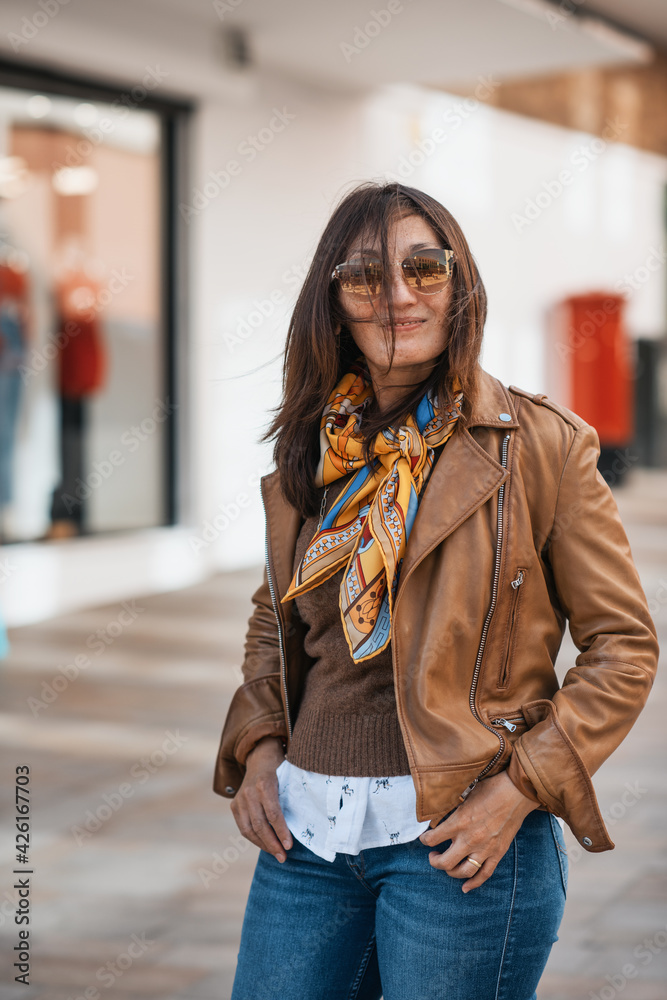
400 290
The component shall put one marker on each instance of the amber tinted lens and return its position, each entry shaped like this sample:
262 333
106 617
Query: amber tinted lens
428 271
361 276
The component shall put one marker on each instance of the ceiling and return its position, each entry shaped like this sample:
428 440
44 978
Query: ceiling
340 46
343 46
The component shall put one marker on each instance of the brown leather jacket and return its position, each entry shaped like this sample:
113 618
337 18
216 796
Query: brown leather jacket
516 533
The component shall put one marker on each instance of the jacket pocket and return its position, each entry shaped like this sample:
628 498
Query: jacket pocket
512 725
517 585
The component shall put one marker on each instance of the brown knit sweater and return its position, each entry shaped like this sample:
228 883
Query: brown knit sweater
347 722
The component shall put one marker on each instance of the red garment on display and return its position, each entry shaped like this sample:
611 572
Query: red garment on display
13 283
13 306
82 356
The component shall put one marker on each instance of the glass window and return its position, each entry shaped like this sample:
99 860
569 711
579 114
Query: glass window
84 414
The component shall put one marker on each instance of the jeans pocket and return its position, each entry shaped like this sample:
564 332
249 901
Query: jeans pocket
561 850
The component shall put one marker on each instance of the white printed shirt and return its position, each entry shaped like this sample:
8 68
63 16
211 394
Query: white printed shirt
331 813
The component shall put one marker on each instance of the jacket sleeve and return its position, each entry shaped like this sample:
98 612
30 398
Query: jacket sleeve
602 695
256 709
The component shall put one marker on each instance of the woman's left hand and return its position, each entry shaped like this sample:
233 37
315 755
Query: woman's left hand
482 827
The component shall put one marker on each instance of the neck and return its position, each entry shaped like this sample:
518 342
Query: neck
392 386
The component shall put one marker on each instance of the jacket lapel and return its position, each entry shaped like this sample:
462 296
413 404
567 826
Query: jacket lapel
464 477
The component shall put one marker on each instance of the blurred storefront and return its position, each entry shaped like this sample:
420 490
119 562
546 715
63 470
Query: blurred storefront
88 301
83 354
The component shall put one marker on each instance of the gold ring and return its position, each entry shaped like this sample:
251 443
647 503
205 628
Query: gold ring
472 861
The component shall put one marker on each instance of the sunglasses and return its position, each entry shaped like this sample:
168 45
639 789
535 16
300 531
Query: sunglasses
427 271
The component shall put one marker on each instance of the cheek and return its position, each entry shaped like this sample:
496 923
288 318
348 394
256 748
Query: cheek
438 333
365 330
441 333
360 312
369 341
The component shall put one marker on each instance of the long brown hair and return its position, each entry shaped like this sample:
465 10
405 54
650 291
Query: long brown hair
316 357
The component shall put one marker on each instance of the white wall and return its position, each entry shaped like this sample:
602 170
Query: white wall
484 170
485 167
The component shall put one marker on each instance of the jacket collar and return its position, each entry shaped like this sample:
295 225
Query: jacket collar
464 477
493 398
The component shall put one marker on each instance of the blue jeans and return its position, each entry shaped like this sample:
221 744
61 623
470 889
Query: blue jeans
385 923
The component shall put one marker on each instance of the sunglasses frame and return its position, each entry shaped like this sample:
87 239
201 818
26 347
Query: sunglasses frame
448 261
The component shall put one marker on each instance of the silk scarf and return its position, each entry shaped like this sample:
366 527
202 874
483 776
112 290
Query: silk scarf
368 526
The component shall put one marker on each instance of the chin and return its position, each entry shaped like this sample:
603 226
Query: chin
415 357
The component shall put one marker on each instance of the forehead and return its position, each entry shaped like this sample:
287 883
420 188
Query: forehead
403 232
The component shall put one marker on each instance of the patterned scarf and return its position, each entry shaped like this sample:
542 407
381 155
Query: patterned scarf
368 526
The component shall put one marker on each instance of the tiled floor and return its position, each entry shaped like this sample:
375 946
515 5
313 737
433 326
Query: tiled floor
140 878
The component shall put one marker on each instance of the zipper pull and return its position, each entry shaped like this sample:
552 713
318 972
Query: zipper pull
464 794
519 580
505 723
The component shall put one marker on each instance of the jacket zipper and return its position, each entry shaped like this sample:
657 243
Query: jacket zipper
274 602
516 584
508 723
485 629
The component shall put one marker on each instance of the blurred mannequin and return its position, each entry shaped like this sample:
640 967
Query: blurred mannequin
81 372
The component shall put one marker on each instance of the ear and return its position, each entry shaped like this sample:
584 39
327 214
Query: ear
338 329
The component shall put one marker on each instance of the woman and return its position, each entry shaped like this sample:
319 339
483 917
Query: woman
401 734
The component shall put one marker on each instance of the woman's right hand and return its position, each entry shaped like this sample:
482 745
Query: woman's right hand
256 806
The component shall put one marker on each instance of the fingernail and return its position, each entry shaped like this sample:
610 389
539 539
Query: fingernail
281 857
286 845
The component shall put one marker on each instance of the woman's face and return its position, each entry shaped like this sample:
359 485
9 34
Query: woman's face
421 327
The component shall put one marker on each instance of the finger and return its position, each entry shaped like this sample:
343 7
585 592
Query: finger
242 818
485 872
274 814
260 824
446 829
267 794
457 869
467 869
456 853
